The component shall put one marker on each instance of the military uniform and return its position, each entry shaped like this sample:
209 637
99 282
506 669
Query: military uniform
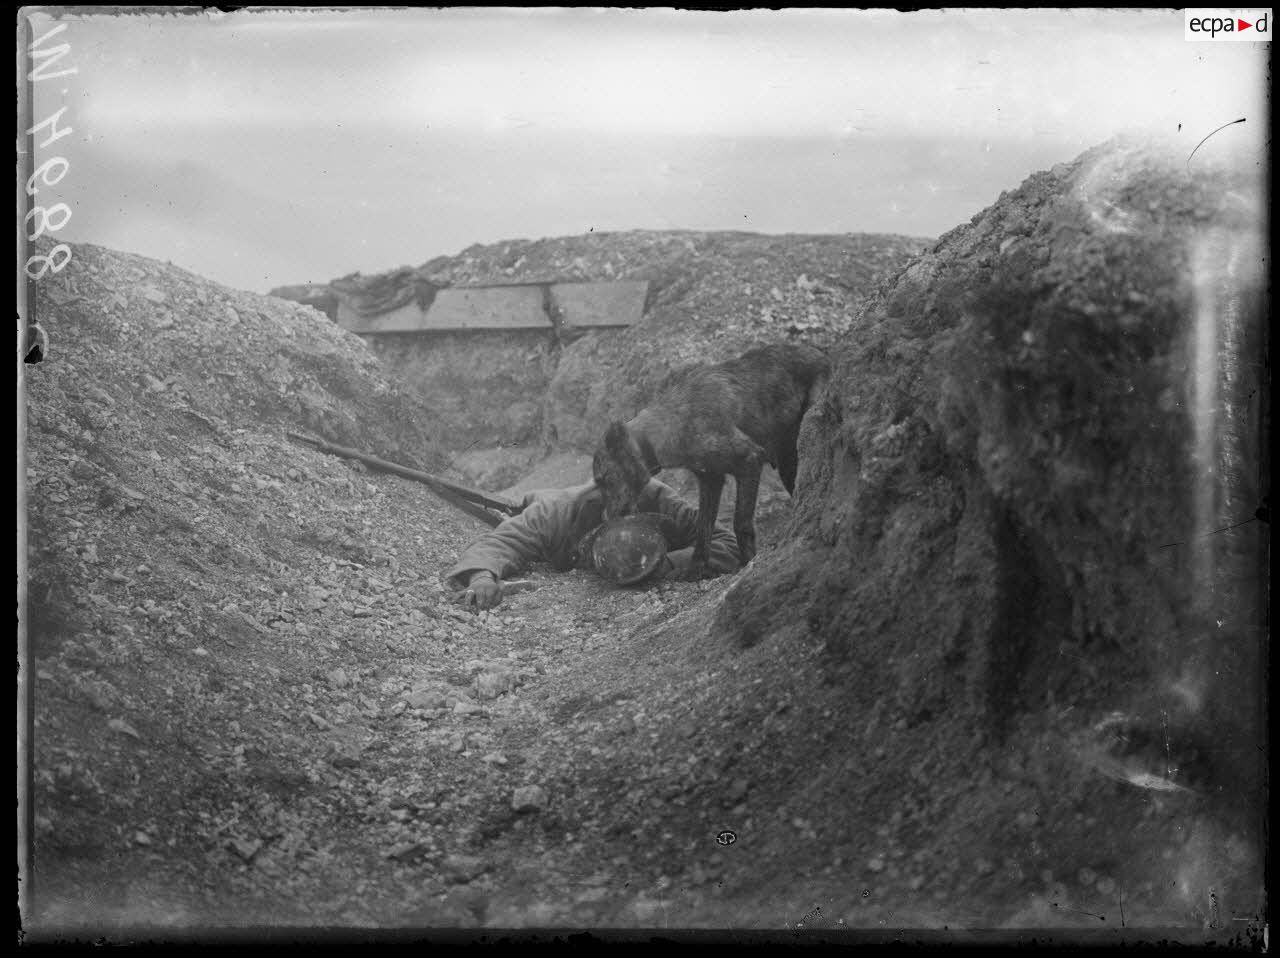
554 522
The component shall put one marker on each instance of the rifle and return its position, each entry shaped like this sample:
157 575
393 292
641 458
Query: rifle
474 502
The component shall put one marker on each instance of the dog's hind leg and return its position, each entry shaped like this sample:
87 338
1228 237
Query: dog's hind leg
710 485
744 511
788 462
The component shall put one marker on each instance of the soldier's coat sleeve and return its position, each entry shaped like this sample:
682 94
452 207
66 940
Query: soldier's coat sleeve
515 544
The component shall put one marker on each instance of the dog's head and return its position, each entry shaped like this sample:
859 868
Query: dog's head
619 471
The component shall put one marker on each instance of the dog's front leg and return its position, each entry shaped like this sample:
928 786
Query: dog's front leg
710 485
744 511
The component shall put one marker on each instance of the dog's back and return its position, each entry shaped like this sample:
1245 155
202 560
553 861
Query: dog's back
776 384
764 393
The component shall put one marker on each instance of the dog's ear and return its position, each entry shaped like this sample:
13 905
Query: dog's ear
617 440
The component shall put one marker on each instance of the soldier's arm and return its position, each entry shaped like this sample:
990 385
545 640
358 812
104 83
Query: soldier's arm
509 547
683 530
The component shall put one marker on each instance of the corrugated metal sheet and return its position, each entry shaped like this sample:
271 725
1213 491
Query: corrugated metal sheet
524 306
600 304
488 307
402 319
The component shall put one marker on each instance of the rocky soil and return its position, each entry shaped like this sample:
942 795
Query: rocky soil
928 703
255 702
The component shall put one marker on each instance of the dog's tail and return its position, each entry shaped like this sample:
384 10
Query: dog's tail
820 376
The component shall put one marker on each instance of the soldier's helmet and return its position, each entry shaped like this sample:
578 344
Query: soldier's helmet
629 550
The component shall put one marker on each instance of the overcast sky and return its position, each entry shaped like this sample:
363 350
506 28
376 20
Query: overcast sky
266 148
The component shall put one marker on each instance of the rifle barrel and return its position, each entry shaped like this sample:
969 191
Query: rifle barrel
471 501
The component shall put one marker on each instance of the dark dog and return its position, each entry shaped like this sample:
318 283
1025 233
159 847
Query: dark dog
728 419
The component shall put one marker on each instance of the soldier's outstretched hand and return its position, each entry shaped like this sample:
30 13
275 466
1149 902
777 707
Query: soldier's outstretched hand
483 591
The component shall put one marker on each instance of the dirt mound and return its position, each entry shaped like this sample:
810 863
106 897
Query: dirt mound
715 295
997 545
136 342
711 295
186 563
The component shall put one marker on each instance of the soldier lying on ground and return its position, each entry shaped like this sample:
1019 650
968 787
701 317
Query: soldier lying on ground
552 527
